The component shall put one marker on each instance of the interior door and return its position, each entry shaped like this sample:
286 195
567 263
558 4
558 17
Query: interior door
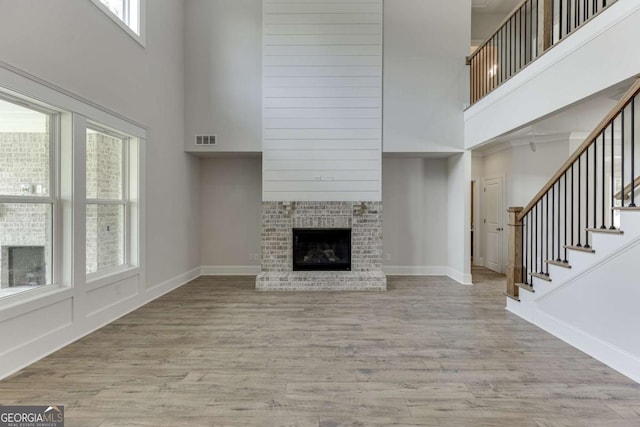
494 223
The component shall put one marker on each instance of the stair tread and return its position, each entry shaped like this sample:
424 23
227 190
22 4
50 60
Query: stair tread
525 286
541 276
558 263
626 208
605 230
581 249
511 296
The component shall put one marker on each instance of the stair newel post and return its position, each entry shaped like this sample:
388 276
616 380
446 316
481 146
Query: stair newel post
514 268
545 27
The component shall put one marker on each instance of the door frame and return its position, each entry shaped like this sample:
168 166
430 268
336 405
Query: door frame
478 238
503 264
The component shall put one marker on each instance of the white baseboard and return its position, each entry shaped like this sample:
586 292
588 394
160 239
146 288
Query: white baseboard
612 356
230 270
414 270
459 276
427 270
167 286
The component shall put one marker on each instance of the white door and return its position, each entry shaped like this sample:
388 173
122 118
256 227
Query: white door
494 223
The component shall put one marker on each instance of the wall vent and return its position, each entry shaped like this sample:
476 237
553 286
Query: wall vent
205 140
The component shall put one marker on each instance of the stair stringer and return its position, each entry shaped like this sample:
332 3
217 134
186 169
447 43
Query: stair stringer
604 245
596 311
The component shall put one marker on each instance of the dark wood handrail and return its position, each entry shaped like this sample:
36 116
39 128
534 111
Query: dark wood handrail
513 12
628 189
502 24
626 99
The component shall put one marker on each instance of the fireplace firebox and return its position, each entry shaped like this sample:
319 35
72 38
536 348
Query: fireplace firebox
321 249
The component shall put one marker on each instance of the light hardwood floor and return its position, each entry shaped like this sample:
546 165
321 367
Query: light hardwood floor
428 352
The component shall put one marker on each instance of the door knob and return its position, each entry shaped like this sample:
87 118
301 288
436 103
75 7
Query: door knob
499 229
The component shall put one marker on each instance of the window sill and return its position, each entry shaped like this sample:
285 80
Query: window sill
107 277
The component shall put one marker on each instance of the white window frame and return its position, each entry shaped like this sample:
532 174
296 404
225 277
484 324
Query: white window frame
52 199
140 35
129 170
74 111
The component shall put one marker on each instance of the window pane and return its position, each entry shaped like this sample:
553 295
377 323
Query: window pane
25 246
24 151
104 166
117 7
105 237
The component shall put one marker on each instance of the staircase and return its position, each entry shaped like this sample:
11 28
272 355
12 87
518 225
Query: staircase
574 249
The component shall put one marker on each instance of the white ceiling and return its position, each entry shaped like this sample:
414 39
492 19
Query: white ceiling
494 6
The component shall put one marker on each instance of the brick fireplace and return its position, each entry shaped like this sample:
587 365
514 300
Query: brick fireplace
279 219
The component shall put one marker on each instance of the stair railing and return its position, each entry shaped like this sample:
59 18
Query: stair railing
579 199
528 32
631 188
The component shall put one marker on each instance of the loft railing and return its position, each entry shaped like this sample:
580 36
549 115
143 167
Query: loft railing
532 28
581 198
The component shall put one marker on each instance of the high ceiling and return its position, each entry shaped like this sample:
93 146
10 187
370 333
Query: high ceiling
494 6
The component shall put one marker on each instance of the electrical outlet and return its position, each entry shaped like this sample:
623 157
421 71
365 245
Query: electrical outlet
387 257
255 258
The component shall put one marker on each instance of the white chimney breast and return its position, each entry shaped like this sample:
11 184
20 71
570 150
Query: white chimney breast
322 101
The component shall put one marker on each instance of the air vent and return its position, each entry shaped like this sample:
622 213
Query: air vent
205 140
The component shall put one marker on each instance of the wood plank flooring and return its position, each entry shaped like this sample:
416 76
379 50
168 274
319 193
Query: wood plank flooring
428 352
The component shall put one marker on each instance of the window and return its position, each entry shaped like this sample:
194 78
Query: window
126 13
28 196
71 199
107 210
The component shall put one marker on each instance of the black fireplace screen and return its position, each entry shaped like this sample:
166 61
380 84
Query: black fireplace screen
321 249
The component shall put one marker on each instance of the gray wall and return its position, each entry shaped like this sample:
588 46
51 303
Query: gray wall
74 45
231 210
415 213
414 196
425 76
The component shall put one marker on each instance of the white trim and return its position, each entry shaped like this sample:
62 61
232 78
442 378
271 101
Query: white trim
414 270
108 277
140 38
475 207
230 270
459 276
74 112
29 301
596 265
611 355
67 324
50 343
22 84
175 282
28 200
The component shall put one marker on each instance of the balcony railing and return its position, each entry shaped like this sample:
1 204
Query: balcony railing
533 28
